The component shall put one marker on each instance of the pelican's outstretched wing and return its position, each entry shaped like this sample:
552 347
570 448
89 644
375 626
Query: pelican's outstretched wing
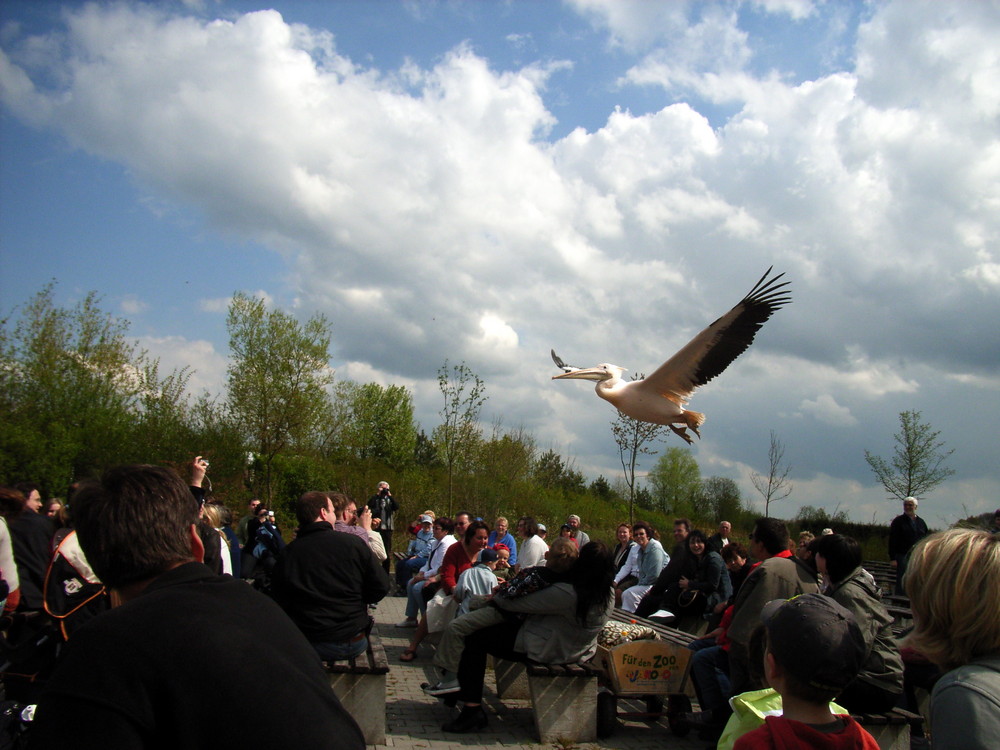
713 350
560 364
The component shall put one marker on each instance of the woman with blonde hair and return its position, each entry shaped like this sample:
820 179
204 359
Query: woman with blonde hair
953 580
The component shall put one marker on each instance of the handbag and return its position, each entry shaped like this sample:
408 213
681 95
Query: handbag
690 599
440 611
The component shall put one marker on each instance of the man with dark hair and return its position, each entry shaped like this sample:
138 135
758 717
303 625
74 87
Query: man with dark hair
462 520
681 565
31 539
241 527
348 520
325 581
780 575
142 674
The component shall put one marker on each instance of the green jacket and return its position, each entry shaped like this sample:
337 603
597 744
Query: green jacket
884 666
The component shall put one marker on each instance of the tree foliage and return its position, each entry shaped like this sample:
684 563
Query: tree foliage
377 424
776 485
676 482
77 395
917 465
721 498
277 379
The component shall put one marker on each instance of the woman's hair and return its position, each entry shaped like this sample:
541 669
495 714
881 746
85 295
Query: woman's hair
593 577
733 550
11 503
842 554
473 527
645 527
561 555
697 534
951 580
212 516
806 536
446 524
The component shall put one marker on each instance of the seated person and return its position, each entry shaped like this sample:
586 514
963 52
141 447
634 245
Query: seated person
479 580
879 685
560 625
813 650
559 560
651 560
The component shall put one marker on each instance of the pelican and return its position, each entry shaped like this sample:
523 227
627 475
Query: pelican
661 397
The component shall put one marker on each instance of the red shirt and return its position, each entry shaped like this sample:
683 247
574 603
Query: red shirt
779 733
455 562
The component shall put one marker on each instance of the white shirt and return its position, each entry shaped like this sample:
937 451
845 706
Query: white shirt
631 566
436 556
532 552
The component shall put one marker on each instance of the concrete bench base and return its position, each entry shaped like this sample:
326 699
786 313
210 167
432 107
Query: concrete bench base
563 697
359 684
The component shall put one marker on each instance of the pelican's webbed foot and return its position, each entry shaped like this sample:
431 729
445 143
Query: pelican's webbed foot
682 433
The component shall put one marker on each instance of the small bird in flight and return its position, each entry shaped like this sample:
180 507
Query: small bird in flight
661 397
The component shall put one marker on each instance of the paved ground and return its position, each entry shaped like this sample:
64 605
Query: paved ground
414 719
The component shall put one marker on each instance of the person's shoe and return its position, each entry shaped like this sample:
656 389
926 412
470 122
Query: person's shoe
407 623
698 719
471 719
443 687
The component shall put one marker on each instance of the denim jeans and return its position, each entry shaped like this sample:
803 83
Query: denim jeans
710 673
340 650
414 598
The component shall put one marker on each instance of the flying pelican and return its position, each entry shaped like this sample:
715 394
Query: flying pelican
661 397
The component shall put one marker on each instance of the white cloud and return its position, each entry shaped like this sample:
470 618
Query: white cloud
206 366
826 409
132 305
430 213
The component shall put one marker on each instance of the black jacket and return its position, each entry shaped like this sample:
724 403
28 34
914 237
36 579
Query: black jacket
904 533
325 580
184 665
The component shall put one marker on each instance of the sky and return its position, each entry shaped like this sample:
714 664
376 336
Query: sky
484 181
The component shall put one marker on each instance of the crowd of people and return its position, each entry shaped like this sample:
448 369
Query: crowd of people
145 579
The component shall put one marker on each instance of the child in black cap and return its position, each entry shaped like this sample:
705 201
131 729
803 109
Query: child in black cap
814 649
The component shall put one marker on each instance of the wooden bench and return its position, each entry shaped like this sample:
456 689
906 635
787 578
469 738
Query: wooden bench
563 697
893 729
359 683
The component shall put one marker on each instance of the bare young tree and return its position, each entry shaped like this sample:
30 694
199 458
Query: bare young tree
633 438
917 465
464 395
775 486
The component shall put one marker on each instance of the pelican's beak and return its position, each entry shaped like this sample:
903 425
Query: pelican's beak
587 373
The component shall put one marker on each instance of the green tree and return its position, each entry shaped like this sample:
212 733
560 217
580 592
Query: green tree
722 498
76 394
458 434
601 488
775 486
379 423
676 481
277 380
917 466
634 439
552 472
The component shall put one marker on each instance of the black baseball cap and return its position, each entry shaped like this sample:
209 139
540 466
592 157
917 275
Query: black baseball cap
815 639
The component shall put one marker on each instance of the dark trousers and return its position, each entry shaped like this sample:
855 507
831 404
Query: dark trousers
497 640
386 535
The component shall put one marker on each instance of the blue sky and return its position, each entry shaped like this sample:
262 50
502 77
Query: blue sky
483 181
